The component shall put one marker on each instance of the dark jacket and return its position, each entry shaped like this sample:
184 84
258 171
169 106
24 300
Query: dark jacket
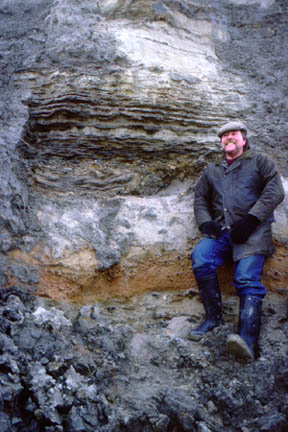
226 193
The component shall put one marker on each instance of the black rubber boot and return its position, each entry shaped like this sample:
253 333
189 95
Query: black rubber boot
211 299
243 344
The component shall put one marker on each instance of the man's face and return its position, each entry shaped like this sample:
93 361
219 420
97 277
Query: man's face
232 143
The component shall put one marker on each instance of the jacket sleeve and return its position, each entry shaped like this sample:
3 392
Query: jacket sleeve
272 190
201 199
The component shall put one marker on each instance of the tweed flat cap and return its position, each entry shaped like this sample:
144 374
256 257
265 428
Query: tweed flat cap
233 125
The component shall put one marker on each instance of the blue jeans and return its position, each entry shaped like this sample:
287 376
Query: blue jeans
209 254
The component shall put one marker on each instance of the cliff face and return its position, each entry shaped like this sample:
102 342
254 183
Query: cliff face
112 108
108 112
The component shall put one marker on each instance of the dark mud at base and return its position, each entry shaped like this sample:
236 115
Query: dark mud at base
127 366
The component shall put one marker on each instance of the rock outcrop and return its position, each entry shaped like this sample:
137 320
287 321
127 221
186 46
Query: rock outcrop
108 114
112 108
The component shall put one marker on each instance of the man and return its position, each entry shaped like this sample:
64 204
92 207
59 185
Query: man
234 202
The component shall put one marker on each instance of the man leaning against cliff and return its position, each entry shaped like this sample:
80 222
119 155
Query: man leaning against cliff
234 202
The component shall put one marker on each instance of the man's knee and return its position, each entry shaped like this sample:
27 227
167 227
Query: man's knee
201 254
197 257
202 266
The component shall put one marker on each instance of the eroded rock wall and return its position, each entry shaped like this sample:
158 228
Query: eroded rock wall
112 108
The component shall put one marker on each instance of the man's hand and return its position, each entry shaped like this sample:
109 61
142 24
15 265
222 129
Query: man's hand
212 229
241 230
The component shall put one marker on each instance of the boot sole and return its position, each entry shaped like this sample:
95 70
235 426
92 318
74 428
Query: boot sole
237 346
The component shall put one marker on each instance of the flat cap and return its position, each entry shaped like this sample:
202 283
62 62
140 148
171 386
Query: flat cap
233 125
